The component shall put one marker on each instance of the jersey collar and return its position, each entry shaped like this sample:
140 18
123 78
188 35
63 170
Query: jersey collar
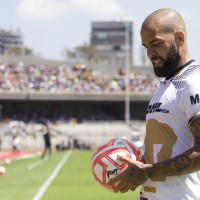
179 69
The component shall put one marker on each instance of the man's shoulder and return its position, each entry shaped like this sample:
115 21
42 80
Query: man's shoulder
193 70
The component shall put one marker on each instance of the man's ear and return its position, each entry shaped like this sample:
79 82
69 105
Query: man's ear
180 37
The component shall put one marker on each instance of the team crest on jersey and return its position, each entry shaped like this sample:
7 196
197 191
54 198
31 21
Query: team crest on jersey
156 107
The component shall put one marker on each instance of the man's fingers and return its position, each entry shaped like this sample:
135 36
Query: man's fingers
124 159
133 188
120 186
125 189
133 163
130 161
114 180
117 178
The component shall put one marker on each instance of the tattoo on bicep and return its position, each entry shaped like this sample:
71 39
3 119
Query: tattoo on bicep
195 127
197 143
182 163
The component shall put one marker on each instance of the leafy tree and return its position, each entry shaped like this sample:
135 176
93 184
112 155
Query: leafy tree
85 52
17 51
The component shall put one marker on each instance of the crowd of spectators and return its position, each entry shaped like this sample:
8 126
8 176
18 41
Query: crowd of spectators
18 77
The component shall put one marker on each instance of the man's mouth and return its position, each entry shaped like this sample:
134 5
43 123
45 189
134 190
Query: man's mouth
156 62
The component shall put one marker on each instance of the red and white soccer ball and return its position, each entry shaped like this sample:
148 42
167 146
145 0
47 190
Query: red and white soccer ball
106 165
2 170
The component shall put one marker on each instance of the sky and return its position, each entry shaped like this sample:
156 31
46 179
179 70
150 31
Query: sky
51 26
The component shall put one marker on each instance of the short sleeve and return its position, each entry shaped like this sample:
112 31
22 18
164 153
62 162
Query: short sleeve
190 97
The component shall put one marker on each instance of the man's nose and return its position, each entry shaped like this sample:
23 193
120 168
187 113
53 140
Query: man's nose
151 52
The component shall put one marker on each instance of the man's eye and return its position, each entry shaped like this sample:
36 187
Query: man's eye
156 43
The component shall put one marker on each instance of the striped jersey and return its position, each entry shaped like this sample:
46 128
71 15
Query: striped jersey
174 105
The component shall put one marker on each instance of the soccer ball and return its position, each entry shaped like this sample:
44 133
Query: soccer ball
2 170
106 165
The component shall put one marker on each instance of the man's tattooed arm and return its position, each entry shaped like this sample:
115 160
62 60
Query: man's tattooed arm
184 163
137 173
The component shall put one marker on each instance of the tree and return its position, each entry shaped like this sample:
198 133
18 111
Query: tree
85 52
17 51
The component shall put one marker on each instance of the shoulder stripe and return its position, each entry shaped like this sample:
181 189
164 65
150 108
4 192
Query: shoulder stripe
179 80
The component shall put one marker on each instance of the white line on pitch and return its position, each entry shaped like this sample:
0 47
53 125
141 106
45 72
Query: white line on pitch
51 177
36 164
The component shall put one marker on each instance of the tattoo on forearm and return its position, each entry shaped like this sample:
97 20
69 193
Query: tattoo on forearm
169 168
182 163
137 176
131 174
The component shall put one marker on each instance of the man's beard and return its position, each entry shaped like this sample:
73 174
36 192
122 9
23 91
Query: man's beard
170 64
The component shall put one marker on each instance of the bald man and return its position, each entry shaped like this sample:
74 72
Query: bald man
172 142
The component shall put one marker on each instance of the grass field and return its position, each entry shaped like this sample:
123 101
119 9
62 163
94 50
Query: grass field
74 181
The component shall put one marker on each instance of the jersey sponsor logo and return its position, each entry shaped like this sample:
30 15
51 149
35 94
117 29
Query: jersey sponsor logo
194 99
109 172
155 107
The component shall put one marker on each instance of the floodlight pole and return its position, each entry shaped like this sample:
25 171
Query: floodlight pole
127 78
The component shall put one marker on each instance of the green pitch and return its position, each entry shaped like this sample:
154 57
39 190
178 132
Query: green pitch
74 181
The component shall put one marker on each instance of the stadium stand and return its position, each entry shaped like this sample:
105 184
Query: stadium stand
17 77
69 97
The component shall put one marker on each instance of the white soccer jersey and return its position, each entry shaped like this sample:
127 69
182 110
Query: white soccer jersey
175 104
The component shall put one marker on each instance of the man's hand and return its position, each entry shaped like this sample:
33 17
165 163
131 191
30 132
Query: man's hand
134 176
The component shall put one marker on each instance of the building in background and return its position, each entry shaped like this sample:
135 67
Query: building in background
10 40
111 38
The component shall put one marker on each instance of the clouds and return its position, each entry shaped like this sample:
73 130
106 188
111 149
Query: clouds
97 7
49 26
52 9
41 9
61 24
